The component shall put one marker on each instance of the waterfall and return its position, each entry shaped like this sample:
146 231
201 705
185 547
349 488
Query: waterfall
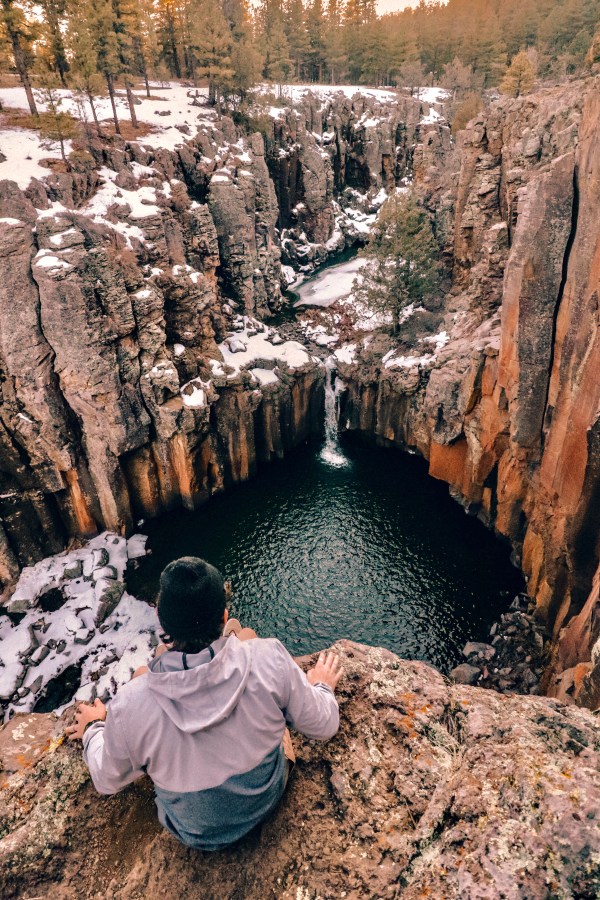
332 453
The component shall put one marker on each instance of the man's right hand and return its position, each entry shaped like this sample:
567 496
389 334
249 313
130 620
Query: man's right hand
326 671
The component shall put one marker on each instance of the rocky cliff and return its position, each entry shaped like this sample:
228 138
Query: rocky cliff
135 374
504 401
410 799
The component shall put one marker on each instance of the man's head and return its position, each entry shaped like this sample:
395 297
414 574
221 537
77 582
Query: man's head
191 602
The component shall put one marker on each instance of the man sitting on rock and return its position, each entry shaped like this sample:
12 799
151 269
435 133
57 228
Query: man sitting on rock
206 720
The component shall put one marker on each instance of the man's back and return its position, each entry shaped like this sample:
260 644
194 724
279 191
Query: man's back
207 728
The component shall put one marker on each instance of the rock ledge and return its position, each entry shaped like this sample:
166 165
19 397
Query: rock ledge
430 789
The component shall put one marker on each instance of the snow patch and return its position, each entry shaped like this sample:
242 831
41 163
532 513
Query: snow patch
99 626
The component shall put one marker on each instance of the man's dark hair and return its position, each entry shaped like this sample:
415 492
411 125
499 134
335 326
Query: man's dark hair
191 603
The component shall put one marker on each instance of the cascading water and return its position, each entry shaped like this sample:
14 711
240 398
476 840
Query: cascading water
332 453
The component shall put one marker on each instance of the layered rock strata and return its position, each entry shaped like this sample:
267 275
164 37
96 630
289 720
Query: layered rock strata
119 283
407 800
504 401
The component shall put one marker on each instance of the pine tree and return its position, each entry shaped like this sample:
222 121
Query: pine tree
211 48
54 12
402 253
277 57
107 50
81 46
127 26
21 33
5 49
246 59
54 123
297 35
519 77
398 47
335 52
147 46
315 29
170 36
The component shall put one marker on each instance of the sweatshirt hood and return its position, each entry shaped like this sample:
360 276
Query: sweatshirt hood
200 697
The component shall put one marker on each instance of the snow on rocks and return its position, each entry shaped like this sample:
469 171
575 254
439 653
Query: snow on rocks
408 361
141 201
264 376
438 340
390 361
255 343
346 353
319 334
75 613
294 92
195 393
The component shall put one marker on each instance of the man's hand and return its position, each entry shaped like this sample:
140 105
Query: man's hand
326 671
86 712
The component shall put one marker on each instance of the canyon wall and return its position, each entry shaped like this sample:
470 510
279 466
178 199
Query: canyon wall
504 401
127 279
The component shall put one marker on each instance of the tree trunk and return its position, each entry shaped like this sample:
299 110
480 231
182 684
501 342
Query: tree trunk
93 108
172 42
19 57
146 82
111 94
63 154
131 101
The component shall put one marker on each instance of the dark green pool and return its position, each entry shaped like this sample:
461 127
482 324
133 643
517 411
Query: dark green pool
369 548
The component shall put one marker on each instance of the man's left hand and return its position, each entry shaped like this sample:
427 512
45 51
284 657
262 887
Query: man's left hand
86 712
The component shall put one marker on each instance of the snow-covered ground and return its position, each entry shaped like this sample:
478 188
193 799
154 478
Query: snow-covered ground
98 626
23 151
171 107
175 112
433 94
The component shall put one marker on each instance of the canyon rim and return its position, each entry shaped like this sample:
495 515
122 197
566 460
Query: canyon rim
146 365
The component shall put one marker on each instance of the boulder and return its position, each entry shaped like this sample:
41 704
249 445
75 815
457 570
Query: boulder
465 674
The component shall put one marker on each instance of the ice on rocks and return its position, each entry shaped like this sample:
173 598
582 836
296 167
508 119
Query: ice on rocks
326 288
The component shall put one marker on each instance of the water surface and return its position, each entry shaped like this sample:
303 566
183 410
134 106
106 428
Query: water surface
357 543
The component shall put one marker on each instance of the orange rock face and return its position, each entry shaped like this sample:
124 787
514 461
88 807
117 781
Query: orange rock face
508 412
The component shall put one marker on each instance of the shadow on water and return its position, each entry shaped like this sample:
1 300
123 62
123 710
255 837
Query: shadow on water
366 546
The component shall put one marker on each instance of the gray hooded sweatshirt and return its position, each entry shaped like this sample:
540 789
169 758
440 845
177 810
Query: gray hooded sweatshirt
209 736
